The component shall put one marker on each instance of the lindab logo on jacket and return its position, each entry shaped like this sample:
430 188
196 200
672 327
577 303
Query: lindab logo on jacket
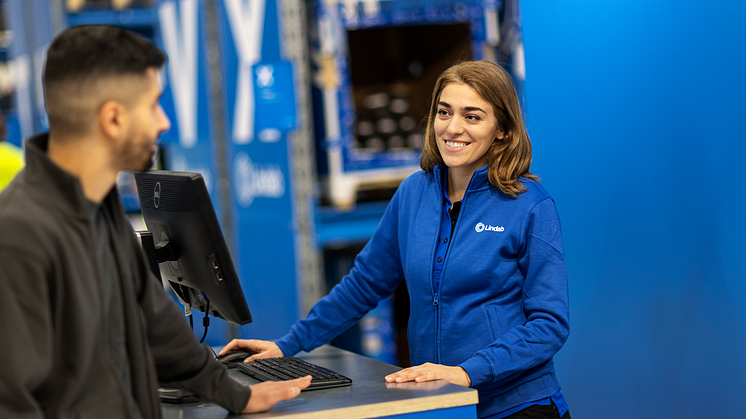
480 227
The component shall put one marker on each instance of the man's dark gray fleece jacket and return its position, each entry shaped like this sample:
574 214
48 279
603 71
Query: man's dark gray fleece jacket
52 324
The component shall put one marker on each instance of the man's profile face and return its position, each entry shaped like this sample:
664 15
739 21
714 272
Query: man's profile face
147 123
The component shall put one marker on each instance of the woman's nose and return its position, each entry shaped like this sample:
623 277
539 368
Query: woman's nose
455 127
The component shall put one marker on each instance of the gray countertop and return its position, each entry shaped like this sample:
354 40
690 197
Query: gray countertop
368 396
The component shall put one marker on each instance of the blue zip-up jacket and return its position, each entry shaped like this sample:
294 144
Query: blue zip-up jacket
501 312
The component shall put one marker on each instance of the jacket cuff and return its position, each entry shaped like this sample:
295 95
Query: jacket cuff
478 369
240 400
289 344
226 391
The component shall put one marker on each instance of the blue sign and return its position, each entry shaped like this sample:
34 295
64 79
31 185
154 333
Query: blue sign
260 109
275 99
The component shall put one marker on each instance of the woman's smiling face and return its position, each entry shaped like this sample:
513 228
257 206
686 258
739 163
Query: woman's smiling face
465 127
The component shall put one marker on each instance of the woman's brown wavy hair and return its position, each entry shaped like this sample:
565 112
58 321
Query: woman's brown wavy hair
509 158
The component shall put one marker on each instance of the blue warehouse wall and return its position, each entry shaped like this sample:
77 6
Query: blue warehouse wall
637 113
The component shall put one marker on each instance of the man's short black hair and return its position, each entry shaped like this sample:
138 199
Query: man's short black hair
89 65
86 51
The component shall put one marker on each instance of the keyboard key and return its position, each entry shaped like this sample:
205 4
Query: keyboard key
288 368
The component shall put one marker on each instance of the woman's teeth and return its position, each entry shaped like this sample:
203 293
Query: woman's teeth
452 144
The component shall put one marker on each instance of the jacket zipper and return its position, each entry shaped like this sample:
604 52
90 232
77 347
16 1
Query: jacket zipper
436 300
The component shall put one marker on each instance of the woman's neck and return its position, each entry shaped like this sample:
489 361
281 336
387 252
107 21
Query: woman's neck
458 181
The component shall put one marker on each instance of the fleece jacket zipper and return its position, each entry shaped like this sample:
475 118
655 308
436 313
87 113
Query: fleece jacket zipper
436 300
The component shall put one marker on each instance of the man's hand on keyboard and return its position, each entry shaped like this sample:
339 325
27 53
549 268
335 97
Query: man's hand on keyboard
267 394
260 348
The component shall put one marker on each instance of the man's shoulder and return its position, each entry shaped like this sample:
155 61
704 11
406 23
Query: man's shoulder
24 219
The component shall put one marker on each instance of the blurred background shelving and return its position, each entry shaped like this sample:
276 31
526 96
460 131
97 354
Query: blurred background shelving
359 96
635 110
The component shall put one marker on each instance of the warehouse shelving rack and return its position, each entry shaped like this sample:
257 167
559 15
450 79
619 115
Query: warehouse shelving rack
319 158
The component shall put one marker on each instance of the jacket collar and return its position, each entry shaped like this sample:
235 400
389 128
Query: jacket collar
56 184
479 179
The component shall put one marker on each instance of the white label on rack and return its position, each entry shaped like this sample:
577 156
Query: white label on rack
247 27
180 40
21 73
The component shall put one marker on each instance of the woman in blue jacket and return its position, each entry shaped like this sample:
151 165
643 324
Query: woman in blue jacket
478 240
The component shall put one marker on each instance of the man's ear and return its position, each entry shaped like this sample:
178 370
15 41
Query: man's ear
113 119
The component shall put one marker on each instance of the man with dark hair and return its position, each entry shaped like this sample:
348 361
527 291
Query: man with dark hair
87 331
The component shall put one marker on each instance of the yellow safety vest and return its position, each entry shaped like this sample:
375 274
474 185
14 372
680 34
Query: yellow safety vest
11 162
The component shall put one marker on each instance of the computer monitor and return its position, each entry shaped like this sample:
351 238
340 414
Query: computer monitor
189 244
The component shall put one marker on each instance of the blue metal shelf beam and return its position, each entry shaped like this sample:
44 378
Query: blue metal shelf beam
130 18
338 227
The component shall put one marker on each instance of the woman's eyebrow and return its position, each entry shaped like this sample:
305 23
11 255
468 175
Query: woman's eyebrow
473 109
464 109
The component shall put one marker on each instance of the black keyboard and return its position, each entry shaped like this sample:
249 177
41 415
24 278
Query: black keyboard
288 368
